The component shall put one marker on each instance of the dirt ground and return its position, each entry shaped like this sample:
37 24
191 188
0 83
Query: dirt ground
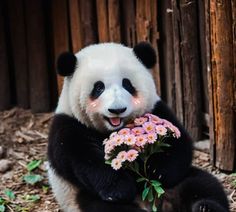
23 138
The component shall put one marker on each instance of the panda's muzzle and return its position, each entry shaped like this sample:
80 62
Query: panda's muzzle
118 110
114 121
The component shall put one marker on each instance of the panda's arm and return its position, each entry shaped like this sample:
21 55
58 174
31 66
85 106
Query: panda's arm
172 165
81 161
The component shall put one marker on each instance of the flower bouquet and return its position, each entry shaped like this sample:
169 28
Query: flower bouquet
131 147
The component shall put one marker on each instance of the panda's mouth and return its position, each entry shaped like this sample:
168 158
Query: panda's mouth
114 121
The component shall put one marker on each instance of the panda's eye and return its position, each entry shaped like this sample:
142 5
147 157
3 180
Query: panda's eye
127 85
98 88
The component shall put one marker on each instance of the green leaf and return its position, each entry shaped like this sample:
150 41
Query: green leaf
32 198
108 162
140 179
10 194
164 145
145 193
2 208
22 209
155 183
136 166
32 178
45 189
150 195
154 208
2 201
145 185
33 165
159 190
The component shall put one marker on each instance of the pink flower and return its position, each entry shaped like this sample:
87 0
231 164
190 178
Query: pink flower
132 155
109 146
149 127
151 138
167 123
124 131
161 130
175 130
138 130
105 141
148 115
141 140
140 121
130 139
155 119
113 134
116 164
118 140
107 156
122 156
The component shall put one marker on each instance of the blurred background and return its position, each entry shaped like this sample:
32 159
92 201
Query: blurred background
195 43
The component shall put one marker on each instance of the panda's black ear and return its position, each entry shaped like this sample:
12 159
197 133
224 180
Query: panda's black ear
146 54
66 64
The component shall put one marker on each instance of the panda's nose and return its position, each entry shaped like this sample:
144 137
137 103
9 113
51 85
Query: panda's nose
117 111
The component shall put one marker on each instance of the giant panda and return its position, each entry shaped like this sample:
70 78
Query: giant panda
105 87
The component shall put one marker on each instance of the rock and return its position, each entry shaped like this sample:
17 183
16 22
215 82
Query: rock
1 152
5 165
203 145
8 175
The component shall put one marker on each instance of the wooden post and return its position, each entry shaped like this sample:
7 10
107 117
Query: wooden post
154 38
18 40
75 25
60 32
167 64
177 70
223 75
128 22
37 57
142 20
191 68
102 19
5 93
203 49
88 21
114 21
210 83
146 28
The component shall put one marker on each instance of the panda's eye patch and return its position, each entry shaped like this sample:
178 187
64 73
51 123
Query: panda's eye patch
127 85
98 88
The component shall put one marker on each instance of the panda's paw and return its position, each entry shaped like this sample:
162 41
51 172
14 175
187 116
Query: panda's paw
208 206
122 191
109 196
204 208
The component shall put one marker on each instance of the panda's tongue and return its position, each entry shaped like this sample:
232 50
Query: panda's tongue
115 121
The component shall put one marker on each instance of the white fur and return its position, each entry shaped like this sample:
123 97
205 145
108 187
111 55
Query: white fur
64 192
109 63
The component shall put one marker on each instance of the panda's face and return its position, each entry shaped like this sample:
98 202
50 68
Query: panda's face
110 87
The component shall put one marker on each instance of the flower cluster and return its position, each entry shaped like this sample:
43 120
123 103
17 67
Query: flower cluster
127 144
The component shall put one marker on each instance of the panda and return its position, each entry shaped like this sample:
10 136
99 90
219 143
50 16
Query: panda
105 87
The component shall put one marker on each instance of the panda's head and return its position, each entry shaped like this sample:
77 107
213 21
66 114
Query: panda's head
107 85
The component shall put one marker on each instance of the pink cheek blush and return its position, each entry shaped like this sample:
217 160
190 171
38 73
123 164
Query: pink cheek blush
93 105
137 101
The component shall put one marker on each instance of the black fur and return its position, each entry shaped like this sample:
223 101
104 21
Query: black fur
199 192
66 64
76 153
173 164
146 54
